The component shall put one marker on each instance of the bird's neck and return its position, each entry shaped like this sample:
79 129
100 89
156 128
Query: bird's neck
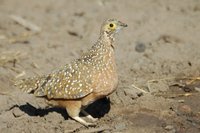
106 41
103 50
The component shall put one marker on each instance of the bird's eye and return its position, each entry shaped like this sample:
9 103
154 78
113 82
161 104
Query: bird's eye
111 25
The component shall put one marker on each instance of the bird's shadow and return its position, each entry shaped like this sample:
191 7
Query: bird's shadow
97 109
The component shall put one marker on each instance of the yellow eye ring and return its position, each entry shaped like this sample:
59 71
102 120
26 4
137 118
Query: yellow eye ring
111 26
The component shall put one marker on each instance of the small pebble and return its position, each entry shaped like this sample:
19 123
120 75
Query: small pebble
120 126
181 101
169 127
131 93
197 89
17 112
140 47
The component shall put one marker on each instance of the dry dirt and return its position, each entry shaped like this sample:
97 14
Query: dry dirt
157 56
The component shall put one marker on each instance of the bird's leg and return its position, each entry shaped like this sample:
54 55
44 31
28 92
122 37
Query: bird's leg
73 109
89 116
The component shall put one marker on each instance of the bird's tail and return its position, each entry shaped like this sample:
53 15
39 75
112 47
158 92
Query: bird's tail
30 85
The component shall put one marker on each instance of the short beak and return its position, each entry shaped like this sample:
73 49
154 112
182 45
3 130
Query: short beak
122 24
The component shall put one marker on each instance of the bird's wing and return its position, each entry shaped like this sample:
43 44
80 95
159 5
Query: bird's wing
71 82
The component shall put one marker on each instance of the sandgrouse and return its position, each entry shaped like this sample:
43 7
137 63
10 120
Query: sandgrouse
84 80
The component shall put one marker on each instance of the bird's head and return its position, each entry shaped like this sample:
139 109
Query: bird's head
112 26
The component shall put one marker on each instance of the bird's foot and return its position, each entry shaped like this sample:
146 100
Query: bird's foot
89 116
83 122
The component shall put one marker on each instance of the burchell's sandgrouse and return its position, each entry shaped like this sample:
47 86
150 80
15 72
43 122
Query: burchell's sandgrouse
84 80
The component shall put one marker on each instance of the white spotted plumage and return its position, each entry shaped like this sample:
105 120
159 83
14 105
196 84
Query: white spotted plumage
94 71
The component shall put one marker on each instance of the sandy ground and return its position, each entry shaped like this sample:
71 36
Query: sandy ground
157 57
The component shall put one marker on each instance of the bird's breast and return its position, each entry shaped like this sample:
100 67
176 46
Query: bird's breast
106 80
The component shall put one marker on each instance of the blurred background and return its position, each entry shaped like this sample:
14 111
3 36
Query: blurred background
157 58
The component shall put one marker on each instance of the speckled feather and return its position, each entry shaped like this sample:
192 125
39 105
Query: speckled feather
91 72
